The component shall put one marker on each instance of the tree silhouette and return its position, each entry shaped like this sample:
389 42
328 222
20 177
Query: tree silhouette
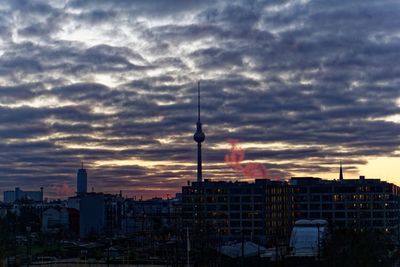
366 248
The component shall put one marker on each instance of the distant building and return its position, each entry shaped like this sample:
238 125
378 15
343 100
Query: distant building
100 214
4 209
55 219
91 215
73 202
9 196
73 215
148 215
18 194
81 181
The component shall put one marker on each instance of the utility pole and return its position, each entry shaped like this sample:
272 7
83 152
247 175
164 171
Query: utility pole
28 254
108 254
242 258
187 247
319 248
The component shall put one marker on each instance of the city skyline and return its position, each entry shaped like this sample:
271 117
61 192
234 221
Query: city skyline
302 85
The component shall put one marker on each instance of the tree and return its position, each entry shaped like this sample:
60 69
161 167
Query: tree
350 248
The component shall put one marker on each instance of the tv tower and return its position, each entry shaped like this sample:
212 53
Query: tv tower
199 137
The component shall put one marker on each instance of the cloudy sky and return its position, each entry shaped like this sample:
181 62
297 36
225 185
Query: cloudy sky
301 84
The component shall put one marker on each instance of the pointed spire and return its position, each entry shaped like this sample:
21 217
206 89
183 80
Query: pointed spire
81 164
341 172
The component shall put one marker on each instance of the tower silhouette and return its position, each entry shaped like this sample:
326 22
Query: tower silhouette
81 181
199 137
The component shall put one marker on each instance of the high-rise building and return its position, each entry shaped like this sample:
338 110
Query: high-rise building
81 181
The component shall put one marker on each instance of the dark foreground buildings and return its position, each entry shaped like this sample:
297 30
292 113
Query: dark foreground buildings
259 211
266 210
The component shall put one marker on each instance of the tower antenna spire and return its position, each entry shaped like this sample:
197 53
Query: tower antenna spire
198 100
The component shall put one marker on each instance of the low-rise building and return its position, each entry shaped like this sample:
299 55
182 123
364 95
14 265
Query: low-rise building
100 214
148 215
18 194
55 219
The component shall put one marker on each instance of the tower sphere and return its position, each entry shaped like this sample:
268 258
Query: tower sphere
199 136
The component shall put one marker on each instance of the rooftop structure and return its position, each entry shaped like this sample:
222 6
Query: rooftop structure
307 238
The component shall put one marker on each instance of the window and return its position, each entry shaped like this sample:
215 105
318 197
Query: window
246 207
315 198
235 199
235 223
314 207
339 215
235 215
223 207
326 206
246 223
235 207
246 199
339 206
327 215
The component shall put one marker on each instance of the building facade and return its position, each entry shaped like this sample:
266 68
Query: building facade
146 216
348 203
100 215
55 219
18 194
91 215
239 210
266 210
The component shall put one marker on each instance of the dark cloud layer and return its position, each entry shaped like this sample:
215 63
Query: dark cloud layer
113 84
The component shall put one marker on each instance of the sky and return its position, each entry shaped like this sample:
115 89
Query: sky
301 85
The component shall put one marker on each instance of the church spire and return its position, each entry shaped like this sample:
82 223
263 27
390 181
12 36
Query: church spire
341 172
199 137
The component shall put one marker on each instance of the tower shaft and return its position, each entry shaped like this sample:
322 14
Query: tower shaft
199 137
199 164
